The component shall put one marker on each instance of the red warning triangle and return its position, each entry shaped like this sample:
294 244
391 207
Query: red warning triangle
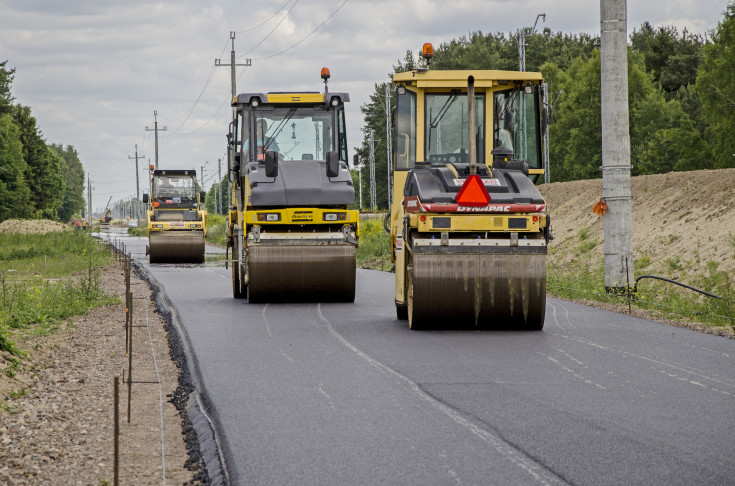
473 193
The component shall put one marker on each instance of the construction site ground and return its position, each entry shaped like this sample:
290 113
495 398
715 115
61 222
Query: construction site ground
56 419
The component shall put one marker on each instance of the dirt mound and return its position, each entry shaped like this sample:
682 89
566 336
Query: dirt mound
31 226
684 220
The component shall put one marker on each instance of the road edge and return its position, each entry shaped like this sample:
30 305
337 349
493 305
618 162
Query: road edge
200 412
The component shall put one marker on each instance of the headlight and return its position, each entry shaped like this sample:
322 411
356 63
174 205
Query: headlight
335 216
269 216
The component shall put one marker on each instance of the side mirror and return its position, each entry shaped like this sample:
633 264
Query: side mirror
145 198
201 196
271 164
332 164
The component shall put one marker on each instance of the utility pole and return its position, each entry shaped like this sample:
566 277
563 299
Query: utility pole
89 200
137 183
373 203
220 209
389 146
232 65
618 225
201 176
155 130
522 42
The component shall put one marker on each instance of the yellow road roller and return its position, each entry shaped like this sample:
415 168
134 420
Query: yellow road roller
469 229
177 221
292 236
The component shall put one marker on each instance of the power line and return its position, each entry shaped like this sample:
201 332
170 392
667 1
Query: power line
307 36
272 30
265 21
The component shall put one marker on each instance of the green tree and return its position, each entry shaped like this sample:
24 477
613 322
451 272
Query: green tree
716 88
15 196
73 173
666 138
673 58
6 82
43 172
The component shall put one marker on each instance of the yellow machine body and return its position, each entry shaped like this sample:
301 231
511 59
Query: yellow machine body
292 235
482 264
177 222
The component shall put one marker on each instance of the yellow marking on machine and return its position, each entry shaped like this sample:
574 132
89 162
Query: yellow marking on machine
295 98
302 216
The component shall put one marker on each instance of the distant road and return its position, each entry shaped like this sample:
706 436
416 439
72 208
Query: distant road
338 394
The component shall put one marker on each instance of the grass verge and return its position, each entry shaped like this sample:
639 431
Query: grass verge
46 278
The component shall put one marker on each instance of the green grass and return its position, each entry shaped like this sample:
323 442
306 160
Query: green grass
584 278
45 279
374 249
216 228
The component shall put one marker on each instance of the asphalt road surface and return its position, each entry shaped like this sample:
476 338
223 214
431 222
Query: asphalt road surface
335 394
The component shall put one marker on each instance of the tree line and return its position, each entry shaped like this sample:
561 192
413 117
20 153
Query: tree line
37 179
681 97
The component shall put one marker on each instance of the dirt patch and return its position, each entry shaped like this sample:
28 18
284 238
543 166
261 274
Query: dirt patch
680 215
32 226
56 420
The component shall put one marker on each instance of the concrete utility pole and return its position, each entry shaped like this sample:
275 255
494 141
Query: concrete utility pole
137 182
616 193
155 130
388 146
232 65
373 202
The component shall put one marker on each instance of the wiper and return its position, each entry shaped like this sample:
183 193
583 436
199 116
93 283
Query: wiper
435 122
278 129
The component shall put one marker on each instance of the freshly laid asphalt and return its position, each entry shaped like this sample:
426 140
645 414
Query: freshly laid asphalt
346 394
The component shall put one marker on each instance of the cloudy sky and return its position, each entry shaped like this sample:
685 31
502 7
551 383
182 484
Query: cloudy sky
94 71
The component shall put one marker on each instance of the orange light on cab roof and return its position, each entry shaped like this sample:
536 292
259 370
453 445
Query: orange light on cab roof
325 73
428 51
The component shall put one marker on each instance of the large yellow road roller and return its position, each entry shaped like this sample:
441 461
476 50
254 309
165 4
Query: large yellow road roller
292 237
177 221
469 229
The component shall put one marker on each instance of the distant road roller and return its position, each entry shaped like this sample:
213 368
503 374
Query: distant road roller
469 229
177 221
292 236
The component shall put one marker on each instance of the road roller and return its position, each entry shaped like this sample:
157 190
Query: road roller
177 221
469 230
292 236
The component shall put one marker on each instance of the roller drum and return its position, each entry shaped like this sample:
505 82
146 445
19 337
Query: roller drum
501 291
301 273
176 247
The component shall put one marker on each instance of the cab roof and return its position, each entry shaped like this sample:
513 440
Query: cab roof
288 98
423 78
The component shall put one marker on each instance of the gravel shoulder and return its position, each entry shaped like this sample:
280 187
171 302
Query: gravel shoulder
57 414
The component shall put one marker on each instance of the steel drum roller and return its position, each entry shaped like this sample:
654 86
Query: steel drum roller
176 246
487 290
301 273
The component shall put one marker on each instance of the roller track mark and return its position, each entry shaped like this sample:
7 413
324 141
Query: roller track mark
721 382
268 328
536 470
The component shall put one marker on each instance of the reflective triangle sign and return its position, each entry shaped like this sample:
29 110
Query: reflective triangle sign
473 193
